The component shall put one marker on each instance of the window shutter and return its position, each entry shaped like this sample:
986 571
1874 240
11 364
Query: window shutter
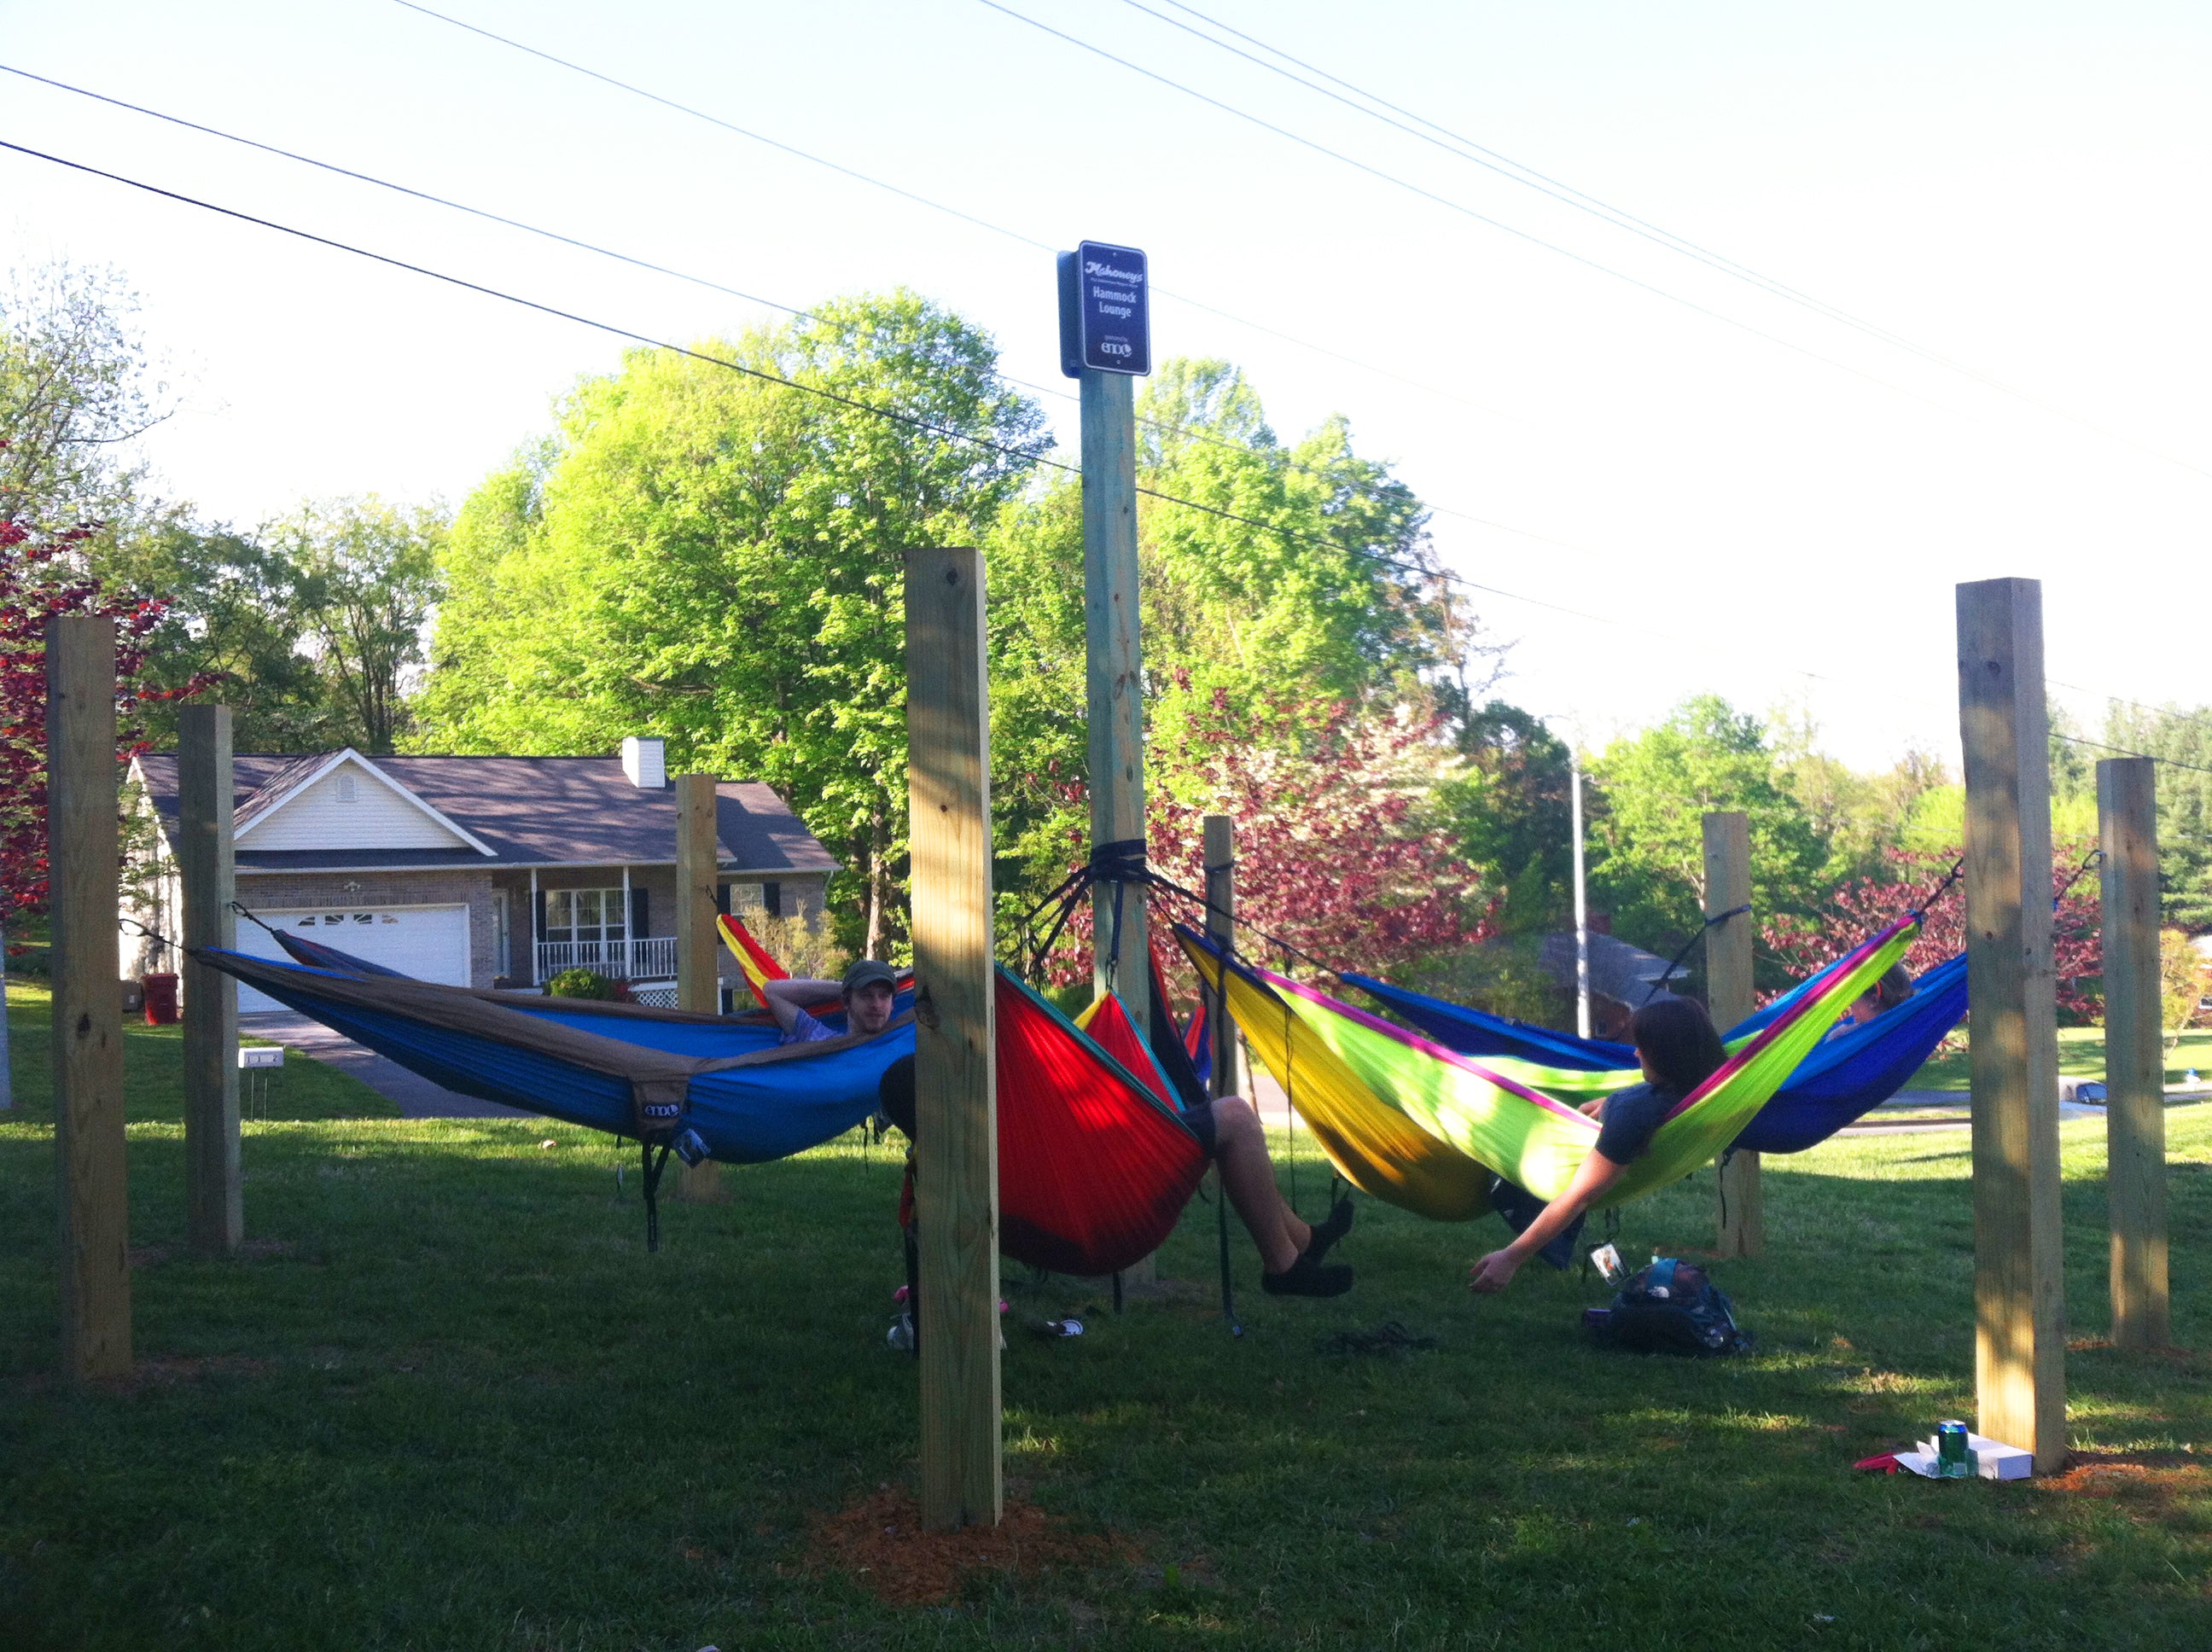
641 914
722 898
772 899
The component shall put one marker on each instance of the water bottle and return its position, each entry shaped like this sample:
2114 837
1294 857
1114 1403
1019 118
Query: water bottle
901 1337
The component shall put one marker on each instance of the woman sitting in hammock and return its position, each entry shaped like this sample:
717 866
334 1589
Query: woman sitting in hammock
1679 1050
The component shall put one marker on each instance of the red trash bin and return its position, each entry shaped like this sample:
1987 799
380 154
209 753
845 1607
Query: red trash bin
160 1000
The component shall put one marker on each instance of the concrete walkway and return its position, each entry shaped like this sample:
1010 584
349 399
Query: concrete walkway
418 1098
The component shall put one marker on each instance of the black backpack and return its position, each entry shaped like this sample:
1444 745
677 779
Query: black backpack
1671 1308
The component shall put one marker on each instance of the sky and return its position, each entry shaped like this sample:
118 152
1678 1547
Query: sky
1659 477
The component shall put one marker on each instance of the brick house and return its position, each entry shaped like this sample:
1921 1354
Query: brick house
483 872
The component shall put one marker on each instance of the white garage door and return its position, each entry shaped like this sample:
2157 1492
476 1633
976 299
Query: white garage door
428 942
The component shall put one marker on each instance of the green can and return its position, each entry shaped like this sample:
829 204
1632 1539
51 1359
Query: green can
1951 1455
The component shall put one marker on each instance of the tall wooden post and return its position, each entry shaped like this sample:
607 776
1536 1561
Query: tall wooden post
83 854
1730 996
1114 667
2134 1051
215 1205
956 1094
2020 1349
698 982
1221 925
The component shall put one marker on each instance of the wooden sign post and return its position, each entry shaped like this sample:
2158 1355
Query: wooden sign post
1114 671
1730 996
215 1203
698 946
2019 1349
956 1094
81 787
2134 1051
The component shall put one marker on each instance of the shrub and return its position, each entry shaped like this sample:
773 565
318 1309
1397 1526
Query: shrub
579 983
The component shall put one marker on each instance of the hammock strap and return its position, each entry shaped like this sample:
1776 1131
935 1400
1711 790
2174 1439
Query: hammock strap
1702 930
2095 857
240 907
653 1165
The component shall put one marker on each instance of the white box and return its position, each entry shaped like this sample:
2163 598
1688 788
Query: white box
1993 1461
250 1056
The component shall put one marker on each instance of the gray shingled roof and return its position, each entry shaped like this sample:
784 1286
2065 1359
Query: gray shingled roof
529 811
1625 973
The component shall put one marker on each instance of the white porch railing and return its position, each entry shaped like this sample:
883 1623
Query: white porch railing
647 958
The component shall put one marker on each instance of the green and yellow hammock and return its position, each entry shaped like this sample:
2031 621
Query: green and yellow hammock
1424 1126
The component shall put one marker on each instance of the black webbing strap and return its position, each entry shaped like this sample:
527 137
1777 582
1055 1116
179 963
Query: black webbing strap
1703 929
652 1166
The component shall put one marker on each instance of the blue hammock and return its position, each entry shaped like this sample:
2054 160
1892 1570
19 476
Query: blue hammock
1850 1073
749 1098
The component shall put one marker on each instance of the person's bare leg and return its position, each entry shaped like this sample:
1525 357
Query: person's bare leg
1247 1173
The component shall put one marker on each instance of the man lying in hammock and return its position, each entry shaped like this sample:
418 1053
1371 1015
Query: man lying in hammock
868 990
1679 1050
1292 1254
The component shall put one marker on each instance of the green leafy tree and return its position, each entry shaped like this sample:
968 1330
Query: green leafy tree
1334 599
74 397
716 559
363 580
1509 808
2182 739
1655 790
232 623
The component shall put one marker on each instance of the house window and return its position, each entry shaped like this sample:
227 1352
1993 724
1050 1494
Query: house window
585 914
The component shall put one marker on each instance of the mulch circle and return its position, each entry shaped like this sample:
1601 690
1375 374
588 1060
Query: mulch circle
2146 1483
880 1544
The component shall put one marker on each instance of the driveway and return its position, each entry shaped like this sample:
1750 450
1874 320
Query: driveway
418 1098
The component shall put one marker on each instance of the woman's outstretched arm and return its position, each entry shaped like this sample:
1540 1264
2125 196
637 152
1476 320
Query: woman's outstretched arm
1496 1271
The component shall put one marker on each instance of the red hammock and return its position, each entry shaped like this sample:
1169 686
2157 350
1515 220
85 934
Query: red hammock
1094 1166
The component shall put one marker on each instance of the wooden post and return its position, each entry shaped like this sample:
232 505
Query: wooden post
698 981
215 1205
82 847
955 1095
1730 997
7 1072
2134 1051
1221 925
2020 1349
1115 668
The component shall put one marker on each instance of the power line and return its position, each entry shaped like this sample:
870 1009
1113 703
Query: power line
1465 148
1276 454
1597 208
1022 456
913 422
1449 204
2121 751
909 195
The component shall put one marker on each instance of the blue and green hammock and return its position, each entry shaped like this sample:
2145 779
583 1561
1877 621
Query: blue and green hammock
1847 1075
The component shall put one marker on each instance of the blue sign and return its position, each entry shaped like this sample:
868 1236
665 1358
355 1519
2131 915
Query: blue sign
1105 311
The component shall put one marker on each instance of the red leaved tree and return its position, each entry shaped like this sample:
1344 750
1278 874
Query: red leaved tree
1332 853
39 581
1860 908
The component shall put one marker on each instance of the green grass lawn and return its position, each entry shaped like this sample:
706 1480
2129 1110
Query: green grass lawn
449 1402
2081 1055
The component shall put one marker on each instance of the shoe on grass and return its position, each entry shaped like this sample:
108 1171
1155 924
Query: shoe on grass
1307 1277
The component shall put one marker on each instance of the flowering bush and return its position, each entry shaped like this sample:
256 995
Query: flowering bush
1860 908
38 581
1333 854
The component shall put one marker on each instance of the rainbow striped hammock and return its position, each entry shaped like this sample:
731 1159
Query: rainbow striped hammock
1424 1126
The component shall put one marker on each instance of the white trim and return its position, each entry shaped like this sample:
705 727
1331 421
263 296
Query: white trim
349 755
524 865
